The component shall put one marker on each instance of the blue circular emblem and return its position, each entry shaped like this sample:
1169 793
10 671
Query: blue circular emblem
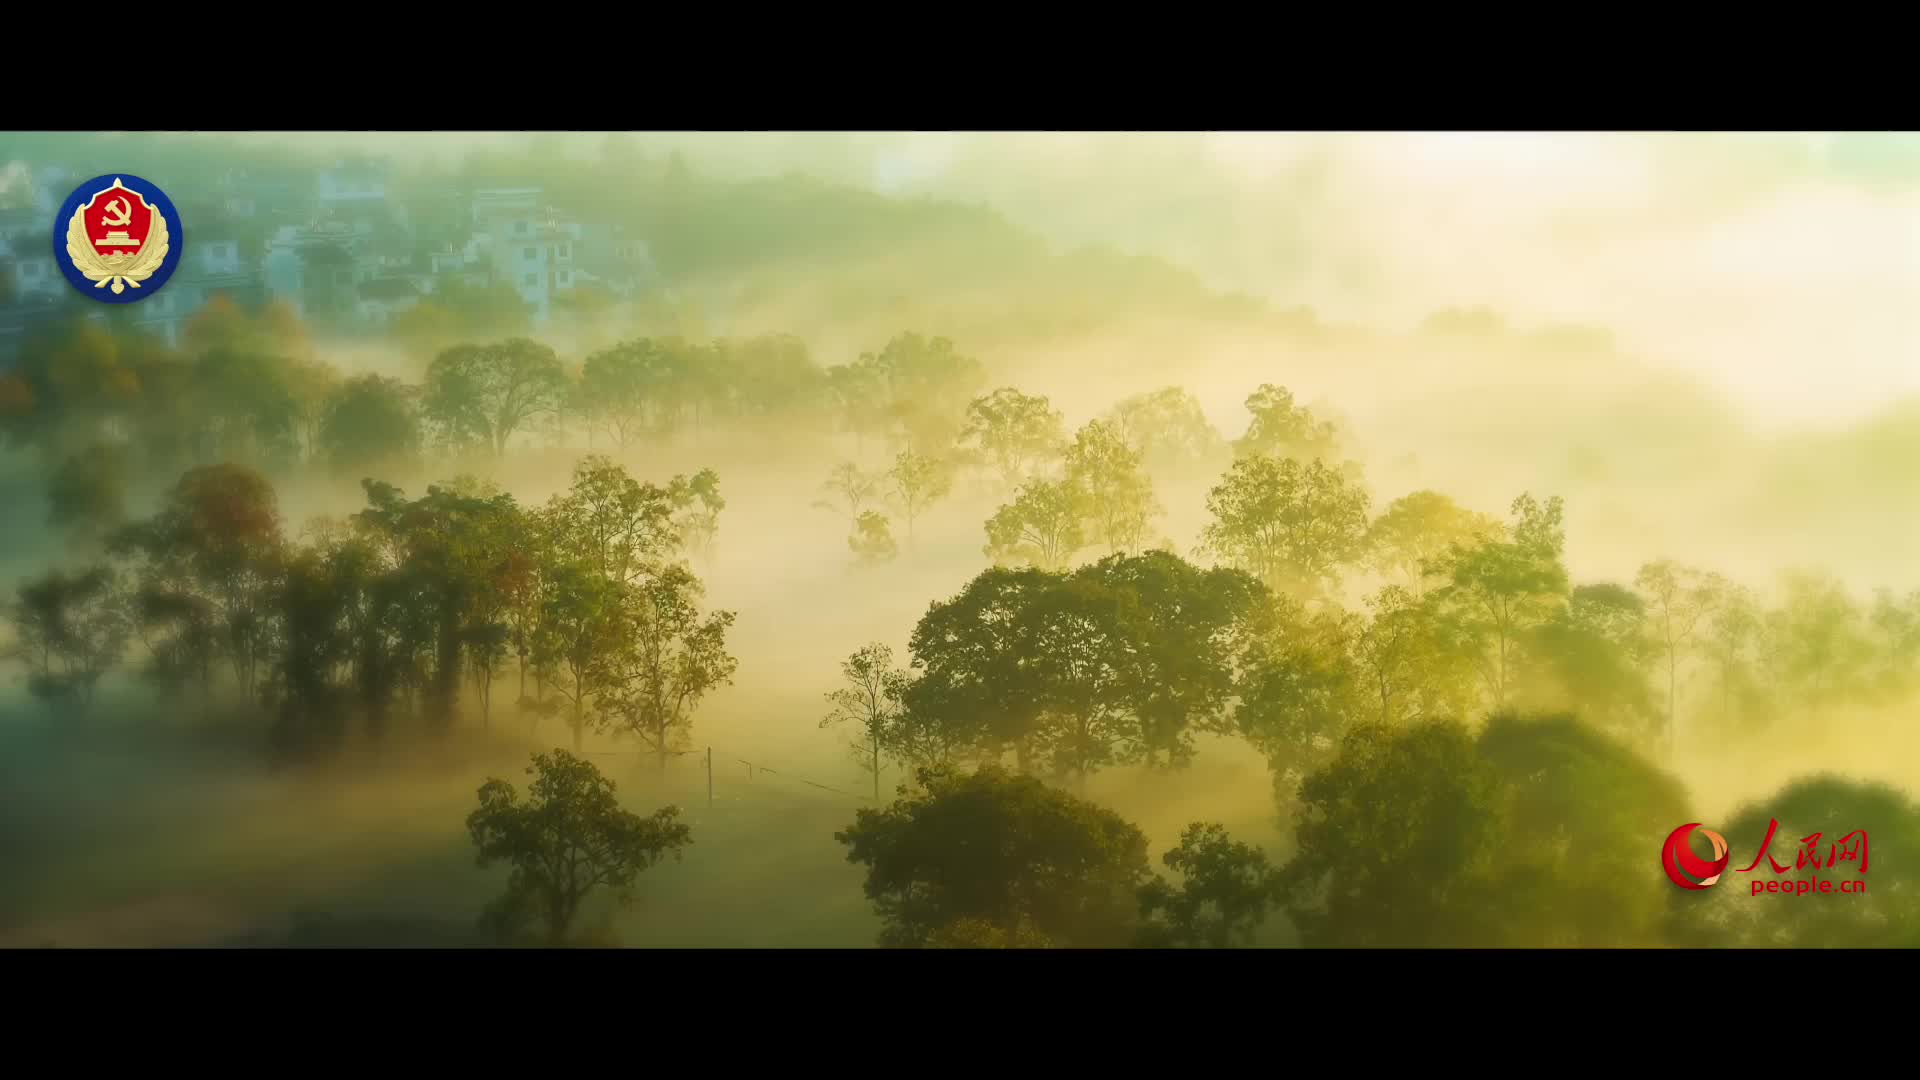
118 238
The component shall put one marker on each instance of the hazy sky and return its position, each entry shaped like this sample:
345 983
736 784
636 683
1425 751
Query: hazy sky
1784 267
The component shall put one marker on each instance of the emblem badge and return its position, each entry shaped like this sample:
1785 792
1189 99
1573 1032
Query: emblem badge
118 238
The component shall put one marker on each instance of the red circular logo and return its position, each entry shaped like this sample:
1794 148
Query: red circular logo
1690 871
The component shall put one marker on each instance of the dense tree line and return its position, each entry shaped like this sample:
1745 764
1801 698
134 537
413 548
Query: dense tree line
411 606
1358 646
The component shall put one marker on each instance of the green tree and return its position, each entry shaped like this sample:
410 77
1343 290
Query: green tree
1583 812
871 702
1732 637
69 630
1008 851
1413 664
635 388
849 491
1817 640
928 384
87 493
872 540
1114 492
1425 836
698 519
1279 428
311 384
566 839
1810 822
621 527
1290 525
918 481
485 393
1041 527
1410 539
1500 589
1225 893
1299 690
1593 656
1188 631
1013 433
1167 430
1680 601
369 422
976 692
661 658
216 540
579 613
1399 842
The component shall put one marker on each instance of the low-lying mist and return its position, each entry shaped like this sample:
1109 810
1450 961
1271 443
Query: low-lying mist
149 820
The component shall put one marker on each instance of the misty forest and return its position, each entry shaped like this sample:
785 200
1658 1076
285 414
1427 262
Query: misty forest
950 551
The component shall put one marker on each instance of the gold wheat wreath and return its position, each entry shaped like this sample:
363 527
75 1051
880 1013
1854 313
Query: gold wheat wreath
120 270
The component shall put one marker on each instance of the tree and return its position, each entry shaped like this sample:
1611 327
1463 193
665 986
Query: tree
620 526
1281 429
87 492
1398 842
927 385
216 539
1290 525
872 541
1226 891
1426 836
1006 850
1581 806
369 422
976 692
661 659
485 393
1896 632
1300 689
454 311
1412 536
634 388
1413 665
1813 818
1817 640
577 621
568 838
849 491
918 482
1498 589
1167 429
448 551
698 521
1732 632
1680 599
1041 527
1114 492
69 631
871 701
1187 631
312 385
245 405
1013 432
1593 655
